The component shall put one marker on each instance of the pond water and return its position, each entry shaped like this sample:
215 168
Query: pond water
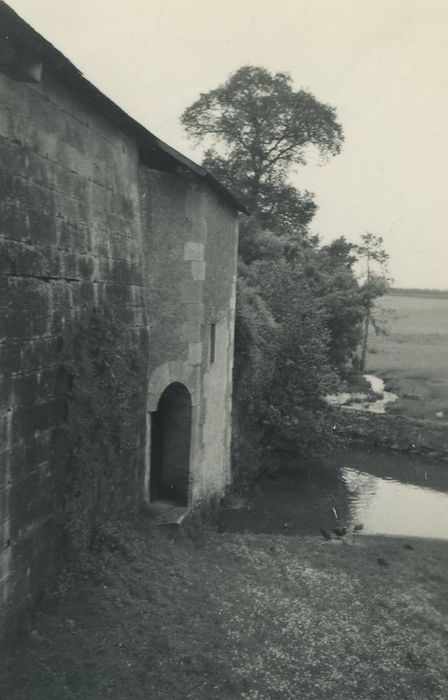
386 506
369 492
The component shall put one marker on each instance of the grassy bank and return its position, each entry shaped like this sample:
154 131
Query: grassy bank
412 357
207 615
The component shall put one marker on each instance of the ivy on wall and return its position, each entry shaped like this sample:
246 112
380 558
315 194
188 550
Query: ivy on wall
100 440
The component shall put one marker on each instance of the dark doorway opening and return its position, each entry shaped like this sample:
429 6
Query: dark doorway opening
170 446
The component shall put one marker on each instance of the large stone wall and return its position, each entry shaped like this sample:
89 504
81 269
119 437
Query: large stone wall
70 240
86 229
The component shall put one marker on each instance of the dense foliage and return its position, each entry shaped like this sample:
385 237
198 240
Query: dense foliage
300 307
259 127
331 275
296 413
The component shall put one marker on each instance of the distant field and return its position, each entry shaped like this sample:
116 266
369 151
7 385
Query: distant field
413 355
437 293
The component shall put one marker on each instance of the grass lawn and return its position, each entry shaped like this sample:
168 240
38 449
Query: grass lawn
413 356
199 614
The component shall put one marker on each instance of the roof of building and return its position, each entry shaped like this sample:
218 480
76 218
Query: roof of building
23 52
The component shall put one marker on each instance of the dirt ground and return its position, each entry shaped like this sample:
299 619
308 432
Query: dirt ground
412 357
242 611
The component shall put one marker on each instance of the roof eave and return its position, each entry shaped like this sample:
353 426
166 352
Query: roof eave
15 30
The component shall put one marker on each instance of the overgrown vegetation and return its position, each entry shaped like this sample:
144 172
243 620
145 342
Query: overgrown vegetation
300 306
297 414
100 431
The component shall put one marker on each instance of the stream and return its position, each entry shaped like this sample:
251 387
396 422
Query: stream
361 401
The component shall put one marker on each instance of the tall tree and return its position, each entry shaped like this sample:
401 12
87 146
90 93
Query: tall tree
374 260
257 127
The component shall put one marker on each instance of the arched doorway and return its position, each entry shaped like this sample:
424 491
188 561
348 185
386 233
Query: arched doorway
170 446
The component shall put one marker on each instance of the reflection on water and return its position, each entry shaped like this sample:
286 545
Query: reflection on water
386 506
387 493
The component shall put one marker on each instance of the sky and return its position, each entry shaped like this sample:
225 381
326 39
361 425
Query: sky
383 64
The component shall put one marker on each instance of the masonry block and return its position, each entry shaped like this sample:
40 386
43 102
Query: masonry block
195 353
191 333
191 291
194 313
198 270
5 563
193 251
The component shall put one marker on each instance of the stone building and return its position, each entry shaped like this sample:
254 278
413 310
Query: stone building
114 248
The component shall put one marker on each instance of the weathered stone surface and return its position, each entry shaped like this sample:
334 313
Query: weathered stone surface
193 297
87 230
70 241
198 270
193 251
195 353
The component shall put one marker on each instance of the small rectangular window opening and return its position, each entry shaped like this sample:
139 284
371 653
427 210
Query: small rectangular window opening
212 342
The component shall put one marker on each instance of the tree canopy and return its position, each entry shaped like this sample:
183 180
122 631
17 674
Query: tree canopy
257 126
300 307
